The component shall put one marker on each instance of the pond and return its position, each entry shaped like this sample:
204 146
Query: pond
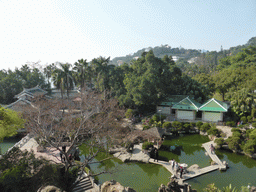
242 172
148 177
185 149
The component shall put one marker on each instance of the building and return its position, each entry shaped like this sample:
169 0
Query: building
183 107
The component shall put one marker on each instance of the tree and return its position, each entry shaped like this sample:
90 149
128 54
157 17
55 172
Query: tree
62 77
102 70
82 72
95 125
10 122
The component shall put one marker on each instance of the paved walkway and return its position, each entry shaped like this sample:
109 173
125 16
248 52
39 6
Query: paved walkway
213 156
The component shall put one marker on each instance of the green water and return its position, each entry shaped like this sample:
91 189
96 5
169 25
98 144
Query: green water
8 143
242 172
186 149
148 177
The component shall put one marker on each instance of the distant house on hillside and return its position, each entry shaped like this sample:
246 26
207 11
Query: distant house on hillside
183 107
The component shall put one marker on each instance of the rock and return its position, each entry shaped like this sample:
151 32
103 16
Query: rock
253 189
113 186
49 188
115 150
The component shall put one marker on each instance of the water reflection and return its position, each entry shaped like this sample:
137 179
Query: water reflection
237 158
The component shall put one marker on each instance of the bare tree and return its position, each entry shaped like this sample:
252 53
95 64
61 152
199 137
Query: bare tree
95 123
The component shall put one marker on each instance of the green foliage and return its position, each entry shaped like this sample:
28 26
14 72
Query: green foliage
250 146
146 145
244 119
231 123
219 142
253 134
233 143
167 125
187 126
177 125
151 121
235 130
145 127
205 127
254 124
253 113
129 113
213 131
236 134
249 119
10 122
199 124
156 118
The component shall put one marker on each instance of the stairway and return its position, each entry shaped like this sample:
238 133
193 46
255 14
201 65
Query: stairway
84 184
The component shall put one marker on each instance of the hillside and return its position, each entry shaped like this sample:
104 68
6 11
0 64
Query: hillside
181 53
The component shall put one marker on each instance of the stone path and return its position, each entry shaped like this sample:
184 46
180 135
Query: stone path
213 156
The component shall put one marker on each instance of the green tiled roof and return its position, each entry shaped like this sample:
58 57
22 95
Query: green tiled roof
187 104
214 105
174 99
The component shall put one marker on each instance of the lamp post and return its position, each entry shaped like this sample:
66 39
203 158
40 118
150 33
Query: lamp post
160 114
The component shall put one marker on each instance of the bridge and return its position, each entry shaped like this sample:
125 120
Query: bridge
197 172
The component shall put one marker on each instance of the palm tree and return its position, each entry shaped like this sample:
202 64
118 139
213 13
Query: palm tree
83 72
62 78
101 69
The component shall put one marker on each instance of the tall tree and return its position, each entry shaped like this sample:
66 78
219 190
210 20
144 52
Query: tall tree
62 77
102 71
81 67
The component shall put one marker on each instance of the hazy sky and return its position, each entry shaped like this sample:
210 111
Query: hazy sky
68 30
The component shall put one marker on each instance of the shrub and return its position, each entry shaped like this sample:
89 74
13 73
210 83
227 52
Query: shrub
159 124
236 134
187 126
244 119
167 125
177 125
156 118
199 124
249 119
151 121
213 131
145 127
230 123
129 113
235 130
233 143
192 125
253 113
250 147
219 142
146 145
254 125
205 127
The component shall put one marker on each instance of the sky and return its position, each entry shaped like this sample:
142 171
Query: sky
49 31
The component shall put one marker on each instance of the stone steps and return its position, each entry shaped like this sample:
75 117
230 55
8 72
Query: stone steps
84 185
